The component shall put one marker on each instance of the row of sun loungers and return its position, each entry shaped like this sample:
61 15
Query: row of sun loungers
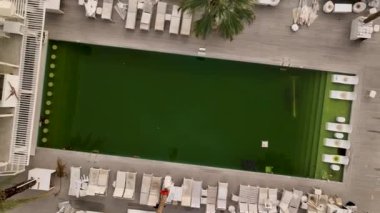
98 182
265 200
161 17
290 201
339 128
251 199
95 184
125 184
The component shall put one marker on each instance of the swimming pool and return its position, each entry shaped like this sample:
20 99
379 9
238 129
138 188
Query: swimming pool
183 109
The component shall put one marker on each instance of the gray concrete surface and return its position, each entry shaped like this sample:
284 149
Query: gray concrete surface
323 46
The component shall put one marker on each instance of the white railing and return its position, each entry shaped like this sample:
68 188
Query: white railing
29 68
20 7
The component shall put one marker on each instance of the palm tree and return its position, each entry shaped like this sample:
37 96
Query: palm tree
228 17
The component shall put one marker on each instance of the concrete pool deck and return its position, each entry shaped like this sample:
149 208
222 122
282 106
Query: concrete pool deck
324 46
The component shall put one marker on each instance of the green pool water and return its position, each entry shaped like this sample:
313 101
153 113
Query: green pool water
182 109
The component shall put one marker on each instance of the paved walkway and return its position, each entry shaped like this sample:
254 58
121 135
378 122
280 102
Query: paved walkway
323 46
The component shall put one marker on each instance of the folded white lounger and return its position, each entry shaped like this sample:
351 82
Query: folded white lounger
273 199
342 95
296 201
268 2
75 182
187 19
146 16
145 188
130 185
186 192
175 20
211 199
335 159
93 179
160 16
196 194
263 197
131 15
337 127
103 182
345 79
154 192
253 199
287 196
119 184
107 9
336 143
221 202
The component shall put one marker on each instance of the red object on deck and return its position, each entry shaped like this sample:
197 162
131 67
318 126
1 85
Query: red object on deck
165 192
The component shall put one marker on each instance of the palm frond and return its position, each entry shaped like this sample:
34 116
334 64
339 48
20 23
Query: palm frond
204 26
229 17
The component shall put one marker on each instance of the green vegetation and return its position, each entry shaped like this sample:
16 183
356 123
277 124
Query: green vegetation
228 17
182 109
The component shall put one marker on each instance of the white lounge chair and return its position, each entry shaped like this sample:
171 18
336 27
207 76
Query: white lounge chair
243 207
263 197
342 95
196 194
75 181
102 182
154 192
121 9
160 16
296 201
130 185
186 192
336 143
253 196
338 127
273 199
107 9
268 2
342 8
175 20
131 15
345 79
221 202
146 16
211 199
243 198
287 196
335 159
177 193
243 193
187 19
145 188
93 179
119 184
90 7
